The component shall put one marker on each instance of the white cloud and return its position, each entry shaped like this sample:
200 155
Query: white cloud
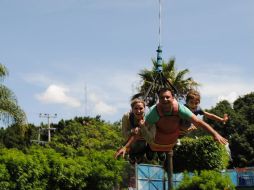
231 97
109 94
214 91
221 82
99 106
58 95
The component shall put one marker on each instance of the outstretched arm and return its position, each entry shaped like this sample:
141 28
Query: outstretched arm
200 123
125 148
216 118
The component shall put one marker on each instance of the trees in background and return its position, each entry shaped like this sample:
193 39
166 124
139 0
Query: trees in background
206 180
239 129
199 154
10 111
80 155
12 116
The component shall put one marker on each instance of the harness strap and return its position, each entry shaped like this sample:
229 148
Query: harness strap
131 119
162 147
133 126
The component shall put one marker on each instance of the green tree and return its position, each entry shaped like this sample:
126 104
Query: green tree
14 138
238 130
200 154
245 106
10 111
176 78
208 180
87 133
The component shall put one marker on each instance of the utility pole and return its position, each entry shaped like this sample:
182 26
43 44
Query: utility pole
48 116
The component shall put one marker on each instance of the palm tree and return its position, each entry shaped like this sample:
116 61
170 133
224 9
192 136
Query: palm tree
10 112
169 71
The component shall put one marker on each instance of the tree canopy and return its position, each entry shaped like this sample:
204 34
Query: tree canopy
177 78
10 111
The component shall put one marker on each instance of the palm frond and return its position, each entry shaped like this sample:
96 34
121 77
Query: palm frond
176 78
3 71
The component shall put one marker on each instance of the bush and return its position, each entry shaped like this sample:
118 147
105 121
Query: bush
206 180
200 154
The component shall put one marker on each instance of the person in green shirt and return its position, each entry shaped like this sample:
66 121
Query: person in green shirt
161 125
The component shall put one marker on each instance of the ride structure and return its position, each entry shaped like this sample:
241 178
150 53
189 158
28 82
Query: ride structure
151 97
159 80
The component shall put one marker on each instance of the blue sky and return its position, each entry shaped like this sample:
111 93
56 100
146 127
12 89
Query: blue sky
82 57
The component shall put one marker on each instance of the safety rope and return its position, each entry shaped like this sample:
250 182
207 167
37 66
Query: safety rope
160 8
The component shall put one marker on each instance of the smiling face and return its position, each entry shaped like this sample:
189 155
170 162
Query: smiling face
165 100
193 100
138 109
193 103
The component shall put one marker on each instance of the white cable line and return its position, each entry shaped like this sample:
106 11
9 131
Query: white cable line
160 7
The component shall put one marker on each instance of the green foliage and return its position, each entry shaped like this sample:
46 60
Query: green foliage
68 173
239 129
106 172
241 141
4 178
15 137
45 169
245 107
96 141
10 111
24 171
177 78
80 156
206 180
86 135
199 154
42 168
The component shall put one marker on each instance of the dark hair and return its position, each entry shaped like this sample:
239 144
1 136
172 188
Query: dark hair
164 89
138 95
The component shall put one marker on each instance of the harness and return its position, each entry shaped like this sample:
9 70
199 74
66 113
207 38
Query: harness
167 129
131 119
132 124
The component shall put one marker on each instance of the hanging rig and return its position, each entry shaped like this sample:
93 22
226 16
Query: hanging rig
159 80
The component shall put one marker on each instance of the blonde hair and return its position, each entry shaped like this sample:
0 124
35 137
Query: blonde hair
137 100
193 94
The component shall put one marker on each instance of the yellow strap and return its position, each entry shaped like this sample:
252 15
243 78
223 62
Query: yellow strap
162 147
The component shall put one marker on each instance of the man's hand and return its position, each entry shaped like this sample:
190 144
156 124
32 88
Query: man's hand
191 128
220 139
225 118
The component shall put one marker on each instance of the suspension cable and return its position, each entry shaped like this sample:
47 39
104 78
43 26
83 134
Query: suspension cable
160 7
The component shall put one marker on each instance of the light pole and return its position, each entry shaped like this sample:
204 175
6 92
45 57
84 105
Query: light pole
48 116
